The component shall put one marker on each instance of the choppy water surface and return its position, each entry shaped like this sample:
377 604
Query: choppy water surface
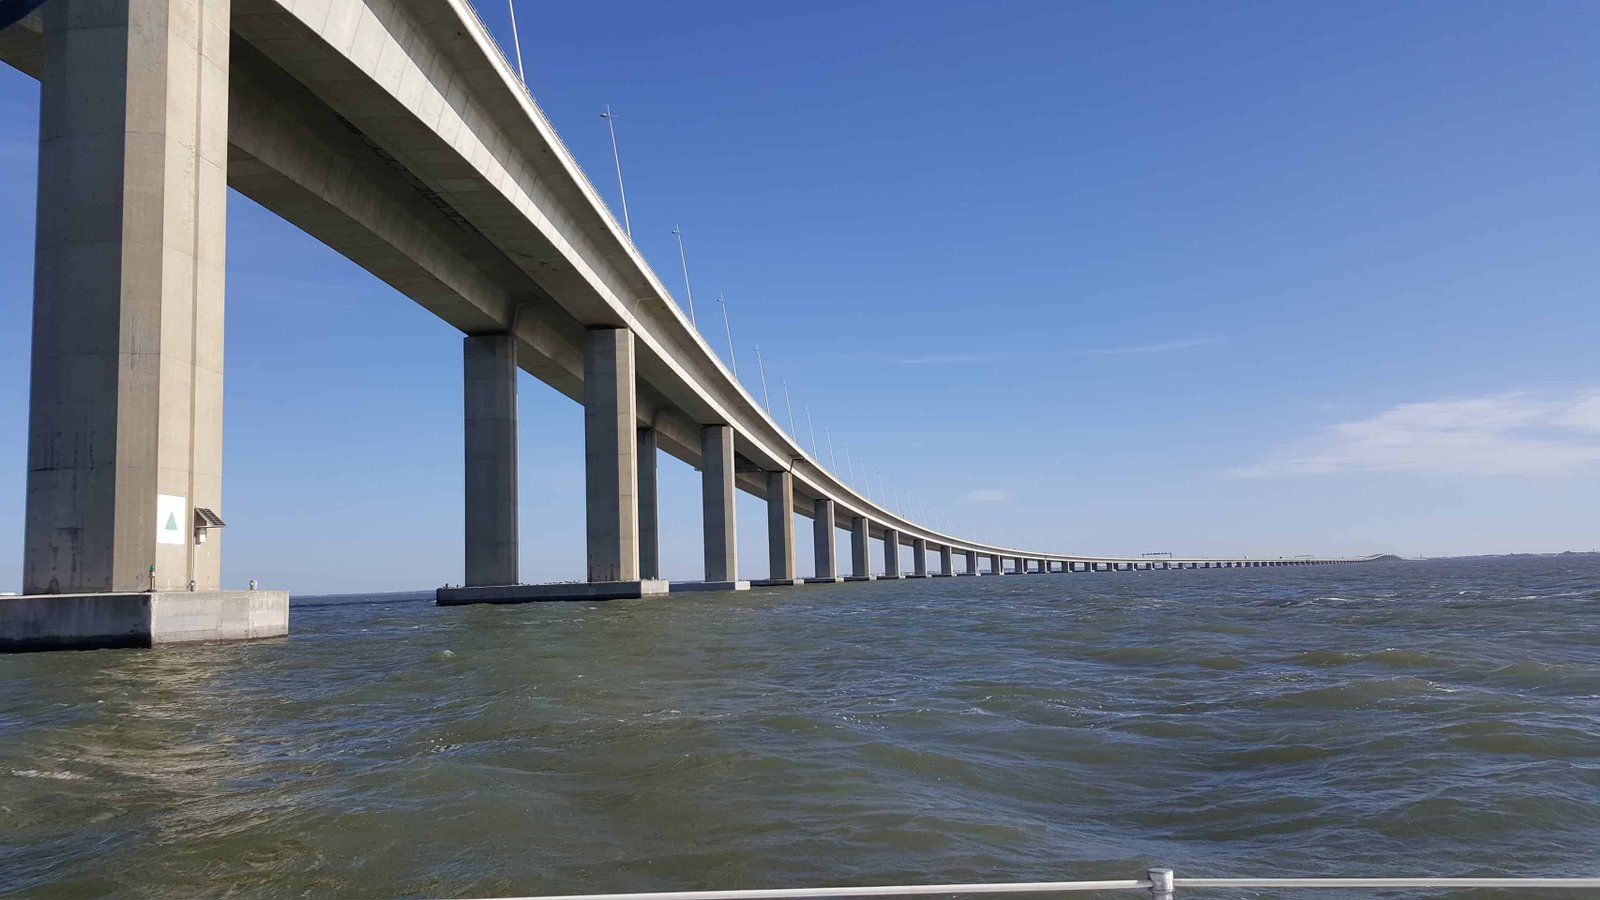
1415 718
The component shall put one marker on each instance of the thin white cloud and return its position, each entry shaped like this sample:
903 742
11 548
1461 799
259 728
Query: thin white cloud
985 495
1502 434
948 359
1161 347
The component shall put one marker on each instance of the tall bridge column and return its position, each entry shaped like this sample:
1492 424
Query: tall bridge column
649 507
947 566
717 503
610 454
996 567
489 382
780 529
972 563
891 553
859 568
823 549
125 404
919 557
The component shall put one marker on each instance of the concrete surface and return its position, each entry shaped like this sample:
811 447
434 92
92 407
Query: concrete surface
489 382
717 507
126 387
780 528
610 464
139 619
696 587
534 593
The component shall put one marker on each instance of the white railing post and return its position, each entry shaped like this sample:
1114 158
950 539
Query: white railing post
1160 883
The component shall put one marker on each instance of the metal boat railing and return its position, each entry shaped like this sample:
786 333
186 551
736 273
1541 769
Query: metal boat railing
1158 883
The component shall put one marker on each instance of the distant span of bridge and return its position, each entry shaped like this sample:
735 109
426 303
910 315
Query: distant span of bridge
396 132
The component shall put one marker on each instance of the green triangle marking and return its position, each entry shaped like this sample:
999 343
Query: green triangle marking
172 521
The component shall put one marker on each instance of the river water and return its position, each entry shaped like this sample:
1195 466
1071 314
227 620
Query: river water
1385 719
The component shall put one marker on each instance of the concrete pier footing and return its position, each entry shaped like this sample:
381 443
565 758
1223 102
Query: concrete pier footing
534 593
701 587
777 582
144 619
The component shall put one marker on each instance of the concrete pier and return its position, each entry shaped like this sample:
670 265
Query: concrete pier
891 553
824 550
780 531
919 557
610 461
972 563
125 405
860 569
947 565
996 567
489 382
649 507
717 503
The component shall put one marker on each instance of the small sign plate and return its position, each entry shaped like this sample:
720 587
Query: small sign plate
172 518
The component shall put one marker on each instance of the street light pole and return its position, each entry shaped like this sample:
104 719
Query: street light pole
517 43
733 358
811 427
615 155
686 289
833 461
790 406
766 398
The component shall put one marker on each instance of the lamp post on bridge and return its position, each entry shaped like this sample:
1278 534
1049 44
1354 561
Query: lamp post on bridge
516 42
784 383
688 291
611 122
762 368
733 358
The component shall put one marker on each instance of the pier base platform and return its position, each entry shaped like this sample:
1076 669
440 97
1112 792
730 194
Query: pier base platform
837 579
143 619
861 578
535 593
777 582
697 587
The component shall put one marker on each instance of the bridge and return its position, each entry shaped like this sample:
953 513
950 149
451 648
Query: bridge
396 132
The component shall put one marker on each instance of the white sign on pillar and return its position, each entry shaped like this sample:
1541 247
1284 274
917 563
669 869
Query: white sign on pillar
171 515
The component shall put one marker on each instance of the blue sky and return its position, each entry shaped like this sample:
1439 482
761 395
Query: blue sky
1253 278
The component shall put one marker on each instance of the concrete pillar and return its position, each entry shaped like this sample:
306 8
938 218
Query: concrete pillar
649 507
996 566
610 460
919 557
947 564
125 405
891 553
858 548
780 526
824 550
489 379
972 562
716 503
